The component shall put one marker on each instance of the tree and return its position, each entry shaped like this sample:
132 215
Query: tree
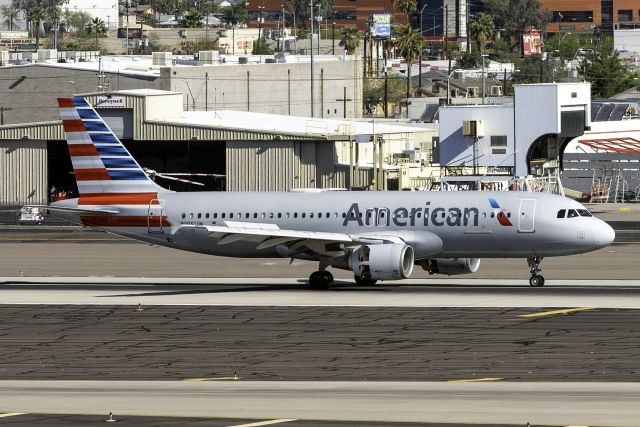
482 29
192 19
10 14
236 13
350 39
516 16
407 7
469 60
606 73
409 43
37 16
75 22
97 27
301 10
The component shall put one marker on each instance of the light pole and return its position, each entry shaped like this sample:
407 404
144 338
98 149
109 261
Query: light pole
421 12
260 9
484 55
560 39
333 38
449 84
206 91
311 24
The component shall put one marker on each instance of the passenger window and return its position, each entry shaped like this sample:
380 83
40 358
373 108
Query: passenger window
311 215
584 212
223 214
215 214
304 214
572 213
264 215
286 215
508 214
184 215
344 215
328 215
561 213
484 214
270 214
319 214
255 215
199 215
295 214
231 215
493 214
246 215
279 215
207 215
190 216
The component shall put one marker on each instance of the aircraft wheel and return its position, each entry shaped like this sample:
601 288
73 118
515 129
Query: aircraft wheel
320 280
329 276
361 281
536 281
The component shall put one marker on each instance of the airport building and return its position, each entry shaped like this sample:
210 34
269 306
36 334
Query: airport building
253 151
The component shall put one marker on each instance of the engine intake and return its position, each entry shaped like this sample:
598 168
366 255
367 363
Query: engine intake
450 266
389 261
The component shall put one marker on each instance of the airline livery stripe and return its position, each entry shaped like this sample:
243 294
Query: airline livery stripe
92 174
124 221
69 114
83 150
119 199
73 126
66 103
87 162
78 138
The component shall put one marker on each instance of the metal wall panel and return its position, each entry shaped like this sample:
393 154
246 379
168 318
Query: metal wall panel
42 131
23 172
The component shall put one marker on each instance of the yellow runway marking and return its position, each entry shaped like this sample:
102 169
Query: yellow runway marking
475 380
552 312
11 414
266 423
213 379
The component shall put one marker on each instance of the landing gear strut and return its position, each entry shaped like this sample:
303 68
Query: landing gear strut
536 280
320 280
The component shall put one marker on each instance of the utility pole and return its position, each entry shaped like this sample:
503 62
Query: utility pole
386 87
2 110
344 100
446 32
311 22
333 38
466 20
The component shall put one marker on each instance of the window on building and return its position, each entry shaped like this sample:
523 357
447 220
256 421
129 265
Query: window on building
573 16
625 15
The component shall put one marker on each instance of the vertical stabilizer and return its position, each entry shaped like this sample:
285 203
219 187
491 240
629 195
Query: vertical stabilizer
102 165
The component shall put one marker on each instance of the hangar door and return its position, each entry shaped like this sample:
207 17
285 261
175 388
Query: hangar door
120 120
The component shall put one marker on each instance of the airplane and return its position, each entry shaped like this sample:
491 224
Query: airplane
378 235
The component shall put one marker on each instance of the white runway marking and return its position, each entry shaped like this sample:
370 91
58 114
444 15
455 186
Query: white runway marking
564 294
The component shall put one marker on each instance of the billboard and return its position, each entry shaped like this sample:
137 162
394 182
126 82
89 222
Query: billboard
381 25
134 33
531 43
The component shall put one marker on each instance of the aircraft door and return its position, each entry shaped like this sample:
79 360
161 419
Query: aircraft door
527 214
155 215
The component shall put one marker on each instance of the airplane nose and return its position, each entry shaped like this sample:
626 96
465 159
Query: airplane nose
604 235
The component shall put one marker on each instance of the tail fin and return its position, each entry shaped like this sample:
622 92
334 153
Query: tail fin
101 163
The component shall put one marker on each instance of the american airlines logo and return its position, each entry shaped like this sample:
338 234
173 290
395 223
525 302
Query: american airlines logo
502 217
403 217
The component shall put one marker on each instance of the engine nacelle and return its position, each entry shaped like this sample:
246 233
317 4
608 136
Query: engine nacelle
450 266
387 261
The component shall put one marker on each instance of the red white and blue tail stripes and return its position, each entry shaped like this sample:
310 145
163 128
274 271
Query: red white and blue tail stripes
100 162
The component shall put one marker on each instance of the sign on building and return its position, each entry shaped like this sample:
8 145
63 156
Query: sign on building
381 25
531 43
110 102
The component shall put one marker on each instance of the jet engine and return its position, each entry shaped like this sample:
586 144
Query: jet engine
450 266
387 261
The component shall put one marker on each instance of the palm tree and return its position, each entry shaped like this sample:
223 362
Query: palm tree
407 7
192 19
350 39
10 13
97 27
409 43
37 16
483 29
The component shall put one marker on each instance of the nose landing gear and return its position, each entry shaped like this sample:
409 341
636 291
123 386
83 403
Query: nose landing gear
536 280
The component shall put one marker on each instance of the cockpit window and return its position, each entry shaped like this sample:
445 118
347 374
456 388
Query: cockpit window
584 212
561 213
571 213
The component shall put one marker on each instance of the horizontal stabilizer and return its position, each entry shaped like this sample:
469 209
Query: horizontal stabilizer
76 210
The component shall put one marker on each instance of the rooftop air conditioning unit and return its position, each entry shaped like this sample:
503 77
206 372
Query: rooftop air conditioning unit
473 128
162 59
496 90
209 56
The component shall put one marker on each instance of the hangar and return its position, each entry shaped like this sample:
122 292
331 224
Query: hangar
254 151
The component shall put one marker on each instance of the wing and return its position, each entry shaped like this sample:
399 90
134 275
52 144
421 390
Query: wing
270 235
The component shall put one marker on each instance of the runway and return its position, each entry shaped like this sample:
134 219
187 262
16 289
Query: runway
242 342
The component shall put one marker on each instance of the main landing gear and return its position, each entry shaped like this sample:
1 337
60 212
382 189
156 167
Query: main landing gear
320 280
364 281
536 280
